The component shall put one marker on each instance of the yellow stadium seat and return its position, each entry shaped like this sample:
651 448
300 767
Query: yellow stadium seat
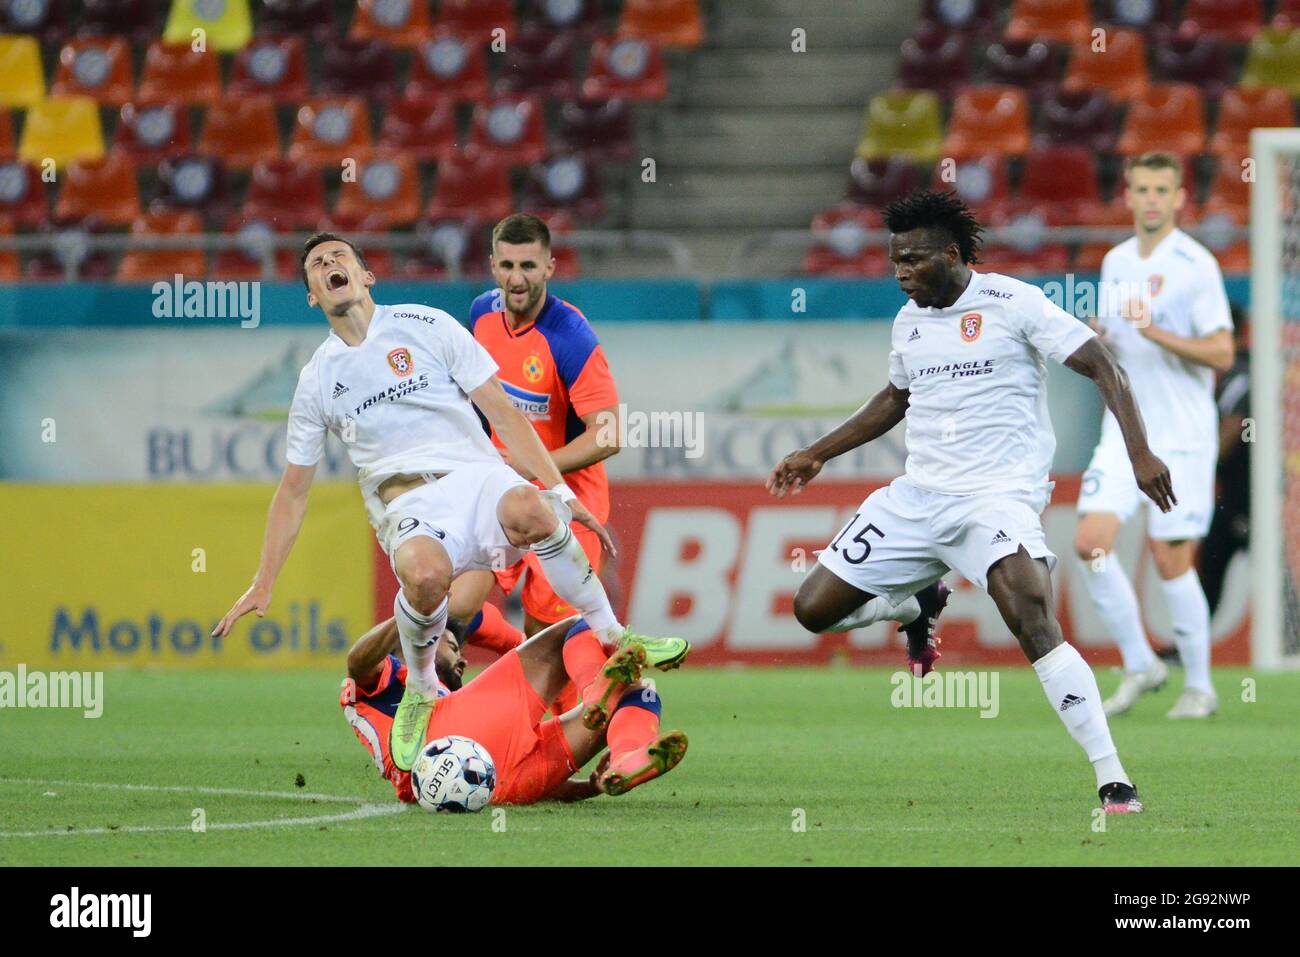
1274 60
62 129
903 122
22 78
228 24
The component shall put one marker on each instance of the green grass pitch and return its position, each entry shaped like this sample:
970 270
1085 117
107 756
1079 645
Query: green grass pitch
770 748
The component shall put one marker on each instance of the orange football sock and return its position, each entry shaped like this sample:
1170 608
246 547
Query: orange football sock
493 632
635 724
583 657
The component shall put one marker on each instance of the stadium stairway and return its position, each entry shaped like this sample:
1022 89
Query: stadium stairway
754 136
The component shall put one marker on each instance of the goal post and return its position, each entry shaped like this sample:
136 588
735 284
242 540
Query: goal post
1275 398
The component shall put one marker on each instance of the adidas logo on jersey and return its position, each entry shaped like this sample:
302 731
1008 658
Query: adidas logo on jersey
916 334
339 389
1070 701
1000 538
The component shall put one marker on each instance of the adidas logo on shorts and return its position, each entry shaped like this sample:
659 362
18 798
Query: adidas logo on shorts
339 389
916 334
1070 701
1001 538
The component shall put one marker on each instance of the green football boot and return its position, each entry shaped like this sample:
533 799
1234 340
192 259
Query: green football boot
665 654
410 725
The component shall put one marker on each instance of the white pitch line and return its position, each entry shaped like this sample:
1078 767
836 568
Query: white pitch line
193 789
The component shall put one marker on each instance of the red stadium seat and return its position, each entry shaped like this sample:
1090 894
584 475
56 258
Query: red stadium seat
1190 57
405 23
1233 20
10 269
192 182
599 129
988 119
1120 70
478 18
1242 109
1048 259
1031 64
1230 190
68 242
566 257
241 131
581 18
270 65
1287 14
933 59
141 265
98 67
975 16
1148 15
669 23
42 19
452 245
539 63
387 187
511 128
983 183
104 192
179 73
1060 183
313 18
358 68
878 182
245 263
151 132
7 150
630 68
329 130
471 184
452 66
1169 116
840 246
287 194
1078 117
137 19
564 183
22 195
422 127
1060 21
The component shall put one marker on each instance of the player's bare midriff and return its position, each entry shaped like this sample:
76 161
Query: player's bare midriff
397 485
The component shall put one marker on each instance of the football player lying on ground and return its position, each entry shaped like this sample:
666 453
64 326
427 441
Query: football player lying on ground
501 709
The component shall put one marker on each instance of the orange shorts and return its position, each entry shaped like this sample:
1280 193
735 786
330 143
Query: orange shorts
501 711
540 600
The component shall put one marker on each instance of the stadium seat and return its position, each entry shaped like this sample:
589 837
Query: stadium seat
1229 190
451 66
148 265
227 25
630 68
63 129
241 130
1030 259
363 68
136 19
564 182
477 18
245 263
965 16
456 242
1274 60
1061 184
1144 15
905 122
387 187
560 223
420 126
877 183
22 77
22 195
1120 70
379 261
10 268
40 19
274 66
538 63
599 129
1232 20
1190 57
1077 117
7 147
841 247
510 128
399 23
192 182
988 119
580 18
287 194
1168 116
471 183
104 192
934 59
1242 109
98 67
1287 15
1059 21
329 130
983 183
151 132
68 249
669 23
1032 64
309 18
178 73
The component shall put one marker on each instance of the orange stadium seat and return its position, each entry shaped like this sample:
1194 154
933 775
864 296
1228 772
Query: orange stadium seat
562 183
421 126
1121 71
1242 109
1229 190
988 119
179 73
7 151
22 195
1060 21
10 270
472 183
1274 60
22 75
904 122
840 245
151 132
147 265
630 68
245 263
387 187
671 23
274 66
1061 184
1235 20
98 67
477 18
399 23
287 194
452 66
1168 116
363 68
105 192
241 130
62 129
329 130
512 128
982 182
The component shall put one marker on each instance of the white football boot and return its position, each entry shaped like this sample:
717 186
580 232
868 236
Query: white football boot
1193 703
1133 685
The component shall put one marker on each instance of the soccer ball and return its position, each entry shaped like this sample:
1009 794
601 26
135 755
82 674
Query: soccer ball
453 774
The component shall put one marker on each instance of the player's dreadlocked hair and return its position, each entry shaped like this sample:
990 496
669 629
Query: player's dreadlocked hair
926 209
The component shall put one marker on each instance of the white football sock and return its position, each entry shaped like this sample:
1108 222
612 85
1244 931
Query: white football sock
878 609
419 635
1113 597
1190 613
569 571
1072 692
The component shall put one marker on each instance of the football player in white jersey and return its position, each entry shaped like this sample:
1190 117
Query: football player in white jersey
966 372
396 383
1163 311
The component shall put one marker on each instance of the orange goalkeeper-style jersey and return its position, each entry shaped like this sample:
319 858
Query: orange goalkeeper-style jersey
555 372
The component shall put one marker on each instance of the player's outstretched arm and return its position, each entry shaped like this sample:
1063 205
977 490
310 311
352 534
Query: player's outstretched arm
1094 360
885 410
283 521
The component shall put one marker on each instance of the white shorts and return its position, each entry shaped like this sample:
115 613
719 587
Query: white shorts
904 537
459 510
1109 486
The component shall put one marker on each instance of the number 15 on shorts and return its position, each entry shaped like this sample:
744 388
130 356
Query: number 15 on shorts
857 548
